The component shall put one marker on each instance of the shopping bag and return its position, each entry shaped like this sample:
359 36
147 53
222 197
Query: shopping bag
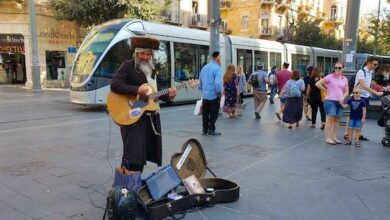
239 108
198 107
129 179
222 102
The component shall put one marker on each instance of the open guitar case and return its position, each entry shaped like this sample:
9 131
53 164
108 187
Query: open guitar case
193 162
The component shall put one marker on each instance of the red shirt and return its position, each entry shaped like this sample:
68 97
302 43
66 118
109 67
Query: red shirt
282 77
377 88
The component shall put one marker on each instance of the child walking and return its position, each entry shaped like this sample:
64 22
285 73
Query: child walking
357 116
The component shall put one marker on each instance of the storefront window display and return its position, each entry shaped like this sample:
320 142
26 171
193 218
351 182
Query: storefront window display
55 65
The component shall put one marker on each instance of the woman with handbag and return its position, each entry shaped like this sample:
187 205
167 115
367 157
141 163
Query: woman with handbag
313 96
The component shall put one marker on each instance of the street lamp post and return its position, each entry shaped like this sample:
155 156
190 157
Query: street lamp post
36 72
215 21
350 37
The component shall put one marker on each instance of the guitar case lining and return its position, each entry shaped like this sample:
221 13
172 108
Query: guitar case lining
194 162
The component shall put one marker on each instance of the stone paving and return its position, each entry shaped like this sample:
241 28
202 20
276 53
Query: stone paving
56 162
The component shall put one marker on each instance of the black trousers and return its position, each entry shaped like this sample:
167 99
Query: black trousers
210 109
316 104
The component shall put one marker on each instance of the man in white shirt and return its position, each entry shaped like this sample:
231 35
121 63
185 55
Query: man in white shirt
363 80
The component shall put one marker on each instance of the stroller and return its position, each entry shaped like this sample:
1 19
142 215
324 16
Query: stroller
384 121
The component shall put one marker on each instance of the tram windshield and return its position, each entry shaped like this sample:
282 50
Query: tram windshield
93 47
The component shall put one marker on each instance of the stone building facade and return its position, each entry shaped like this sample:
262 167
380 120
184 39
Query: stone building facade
57 43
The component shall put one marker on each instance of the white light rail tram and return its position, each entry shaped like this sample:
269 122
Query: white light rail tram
182 54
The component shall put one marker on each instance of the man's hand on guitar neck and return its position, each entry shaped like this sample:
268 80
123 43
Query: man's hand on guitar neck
172 93
143 90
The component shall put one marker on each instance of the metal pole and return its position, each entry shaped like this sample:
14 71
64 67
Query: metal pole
377 29
350 37
36 72
215 21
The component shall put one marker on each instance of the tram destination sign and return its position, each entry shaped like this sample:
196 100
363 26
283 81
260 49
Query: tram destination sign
11 43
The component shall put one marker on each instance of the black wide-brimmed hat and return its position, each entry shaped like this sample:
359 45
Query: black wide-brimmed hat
144 43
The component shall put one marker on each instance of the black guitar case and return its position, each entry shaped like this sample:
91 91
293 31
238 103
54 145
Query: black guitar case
191 160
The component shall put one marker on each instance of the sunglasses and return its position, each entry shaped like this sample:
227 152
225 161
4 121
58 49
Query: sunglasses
338 68
356 92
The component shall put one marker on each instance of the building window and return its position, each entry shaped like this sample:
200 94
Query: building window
55 65
244 23
265 26
333 12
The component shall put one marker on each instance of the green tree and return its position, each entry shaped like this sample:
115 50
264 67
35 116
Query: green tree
88 12
92 12
308 32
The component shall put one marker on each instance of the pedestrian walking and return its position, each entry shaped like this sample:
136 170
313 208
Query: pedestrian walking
313 96
241 83
258 80
281 78
306 106
336 87
230 85
293 91
272 84
210 84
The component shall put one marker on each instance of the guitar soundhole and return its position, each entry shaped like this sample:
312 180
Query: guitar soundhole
141 102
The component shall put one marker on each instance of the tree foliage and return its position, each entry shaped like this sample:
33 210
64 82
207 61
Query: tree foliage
379 28
308 32
88 12
92 12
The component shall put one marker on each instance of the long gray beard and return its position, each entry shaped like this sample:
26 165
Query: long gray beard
146 67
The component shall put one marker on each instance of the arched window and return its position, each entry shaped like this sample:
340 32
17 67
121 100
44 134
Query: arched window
333 12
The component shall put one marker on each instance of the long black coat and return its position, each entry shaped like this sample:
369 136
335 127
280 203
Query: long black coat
140 143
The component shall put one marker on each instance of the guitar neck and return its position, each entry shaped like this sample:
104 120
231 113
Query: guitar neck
165 91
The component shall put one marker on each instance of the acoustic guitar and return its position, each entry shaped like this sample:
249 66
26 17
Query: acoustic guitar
126 110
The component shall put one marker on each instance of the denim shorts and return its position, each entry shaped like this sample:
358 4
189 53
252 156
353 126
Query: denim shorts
333 108
283 100
355 123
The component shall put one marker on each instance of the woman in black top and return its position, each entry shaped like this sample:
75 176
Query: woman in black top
313 95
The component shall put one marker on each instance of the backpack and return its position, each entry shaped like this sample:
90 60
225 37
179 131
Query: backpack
122 204
351 82
294 90
254 80
272 78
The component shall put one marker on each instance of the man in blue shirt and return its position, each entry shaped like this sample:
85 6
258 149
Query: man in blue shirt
210 80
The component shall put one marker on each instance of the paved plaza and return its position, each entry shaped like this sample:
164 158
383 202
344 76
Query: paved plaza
57 159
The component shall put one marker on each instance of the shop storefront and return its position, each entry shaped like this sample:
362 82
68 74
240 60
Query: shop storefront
57 43
12 59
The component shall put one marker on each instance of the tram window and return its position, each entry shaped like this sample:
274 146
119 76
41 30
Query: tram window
261 57
244 58
163 61
189 58
204 57
299 62
275 59
328 68
320 62
113 59
55 65
334 60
